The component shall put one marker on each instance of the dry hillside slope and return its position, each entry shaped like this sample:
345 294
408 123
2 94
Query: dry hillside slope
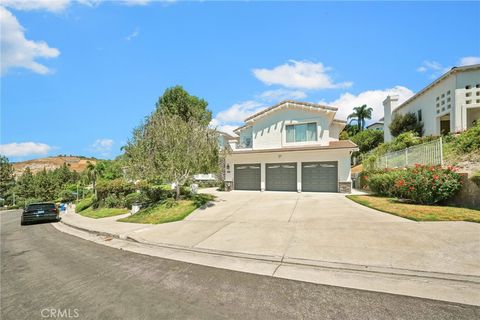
75 163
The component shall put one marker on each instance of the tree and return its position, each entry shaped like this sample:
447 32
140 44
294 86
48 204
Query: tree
7 178
348 132
360 114
177 101
93 171
368 140
26 184
404 123
170 149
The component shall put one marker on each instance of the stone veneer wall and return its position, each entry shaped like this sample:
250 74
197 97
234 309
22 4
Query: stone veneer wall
345 187
468 196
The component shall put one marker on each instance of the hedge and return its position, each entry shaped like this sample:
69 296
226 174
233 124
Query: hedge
420 184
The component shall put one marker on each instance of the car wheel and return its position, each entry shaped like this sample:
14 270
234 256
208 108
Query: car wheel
22 223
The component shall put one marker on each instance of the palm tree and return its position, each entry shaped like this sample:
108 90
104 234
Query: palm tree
360 114
93 172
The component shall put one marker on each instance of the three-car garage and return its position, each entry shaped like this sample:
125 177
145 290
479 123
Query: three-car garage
315 176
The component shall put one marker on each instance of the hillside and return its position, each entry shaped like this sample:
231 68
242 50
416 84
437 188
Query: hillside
75 163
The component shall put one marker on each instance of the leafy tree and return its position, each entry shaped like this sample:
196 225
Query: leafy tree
7 178
93 172
360 114
26 187
349 131
45 185
405 122
368 140
110 169
168 148
177 101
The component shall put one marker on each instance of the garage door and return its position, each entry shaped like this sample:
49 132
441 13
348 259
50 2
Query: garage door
320 176
281 176
247 176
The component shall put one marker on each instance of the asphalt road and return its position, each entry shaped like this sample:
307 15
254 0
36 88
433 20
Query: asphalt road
46 274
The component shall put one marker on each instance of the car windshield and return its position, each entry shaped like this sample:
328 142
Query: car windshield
40 206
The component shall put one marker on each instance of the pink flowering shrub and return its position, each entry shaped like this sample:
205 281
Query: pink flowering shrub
420 184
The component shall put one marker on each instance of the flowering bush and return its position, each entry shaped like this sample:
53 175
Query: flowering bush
420 184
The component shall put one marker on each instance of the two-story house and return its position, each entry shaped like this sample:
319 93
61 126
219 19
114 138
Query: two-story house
291 146
451 103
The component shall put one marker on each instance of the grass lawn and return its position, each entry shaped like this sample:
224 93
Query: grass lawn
417 212
102 212
161 214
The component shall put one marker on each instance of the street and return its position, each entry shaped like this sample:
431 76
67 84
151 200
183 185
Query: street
49 274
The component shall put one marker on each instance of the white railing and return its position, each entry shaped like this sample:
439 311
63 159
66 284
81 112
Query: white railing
428 153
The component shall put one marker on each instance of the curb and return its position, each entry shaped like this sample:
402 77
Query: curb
297 261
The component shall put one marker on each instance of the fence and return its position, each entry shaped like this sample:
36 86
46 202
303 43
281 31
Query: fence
429 153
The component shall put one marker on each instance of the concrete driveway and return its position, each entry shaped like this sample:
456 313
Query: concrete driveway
321 227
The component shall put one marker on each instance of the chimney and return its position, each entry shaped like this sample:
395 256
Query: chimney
389 104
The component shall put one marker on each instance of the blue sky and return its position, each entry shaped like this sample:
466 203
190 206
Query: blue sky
77 77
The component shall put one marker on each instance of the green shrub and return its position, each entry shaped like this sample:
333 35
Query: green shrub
420 184
202 199
169 202
113 201
368 139
84 204
136 197
405 122
469 140
118 187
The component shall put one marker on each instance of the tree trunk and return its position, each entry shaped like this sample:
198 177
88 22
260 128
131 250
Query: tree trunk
177 190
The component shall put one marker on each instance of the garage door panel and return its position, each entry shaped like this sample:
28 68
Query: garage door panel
320 176
247 176
281 176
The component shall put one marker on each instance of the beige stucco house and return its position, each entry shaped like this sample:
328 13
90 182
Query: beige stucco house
291 146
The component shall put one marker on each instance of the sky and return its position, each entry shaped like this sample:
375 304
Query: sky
78 76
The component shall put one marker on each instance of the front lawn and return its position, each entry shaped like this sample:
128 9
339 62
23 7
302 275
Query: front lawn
161 213
417 212
102 212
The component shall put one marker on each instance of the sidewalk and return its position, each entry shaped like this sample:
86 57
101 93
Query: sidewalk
281 252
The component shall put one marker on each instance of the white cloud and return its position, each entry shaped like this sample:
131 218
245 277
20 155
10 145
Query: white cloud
132 35
299 75
281 94
49 5
467 61
17 51
24 149
135 2
372 98
103 146
436 69
238 112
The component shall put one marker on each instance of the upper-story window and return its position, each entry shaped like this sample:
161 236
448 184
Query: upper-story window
419 115
302 132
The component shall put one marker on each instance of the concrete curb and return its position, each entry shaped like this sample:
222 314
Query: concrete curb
463 289
294 261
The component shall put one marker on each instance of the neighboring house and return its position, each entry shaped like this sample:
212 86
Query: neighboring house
376 126
449 104
291 146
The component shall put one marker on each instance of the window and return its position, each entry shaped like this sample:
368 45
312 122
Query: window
449 99
478 100
443 102
301 132
438 105
468 87
477 93
477 85
448 92
468 101
438 98
419 115
468 94
443 95
449 106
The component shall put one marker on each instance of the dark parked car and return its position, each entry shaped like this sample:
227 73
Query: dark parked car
37 212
